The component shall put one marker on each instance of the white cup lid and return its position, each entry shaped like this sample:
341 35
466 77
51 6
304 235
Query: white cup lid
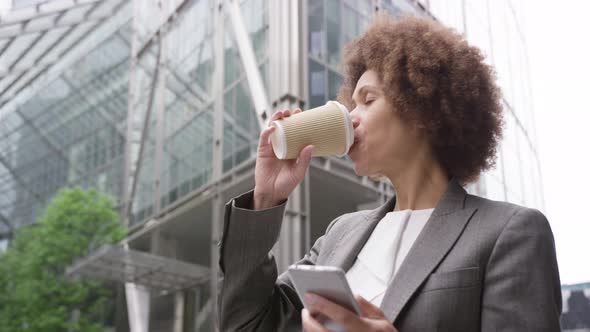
349 126
277 139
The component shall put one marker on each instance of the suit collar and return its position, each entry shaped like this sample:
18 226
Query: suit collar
352 240
438 236
452 200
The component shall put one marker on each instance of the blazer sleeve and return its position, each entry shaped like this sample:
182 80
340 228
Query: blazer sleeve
252 297
522 291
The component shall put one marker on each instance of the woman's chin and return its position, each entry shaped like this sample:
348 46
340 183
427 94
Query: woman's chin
358 169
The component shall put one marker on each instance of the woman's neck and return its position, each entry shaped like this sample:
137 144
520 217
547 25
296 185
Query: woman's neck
419 186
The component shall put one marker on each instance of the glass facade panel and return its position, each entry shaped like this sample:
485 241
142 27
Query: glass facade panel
188 121
512 161
71 131
341 21
334 83
147 17
317 84
231 69
186 164
334 37
144 76
496 29
349 23
255 13
316 28
241 126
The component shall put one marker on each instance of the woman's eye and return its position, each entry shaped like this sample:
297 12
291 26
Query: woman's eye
369 101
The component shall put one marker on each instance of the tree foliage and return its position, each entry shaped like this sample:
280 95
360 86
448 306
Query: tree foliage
35 294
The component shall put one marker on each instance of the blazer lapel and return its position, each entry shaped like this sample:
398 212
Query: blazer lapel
352 240
438 236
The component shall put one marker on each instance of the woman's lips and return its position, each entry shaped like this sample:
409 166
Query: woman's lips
354 144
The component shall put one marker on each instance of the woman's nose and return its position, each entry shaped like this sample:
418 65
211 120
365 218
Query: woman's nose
355 122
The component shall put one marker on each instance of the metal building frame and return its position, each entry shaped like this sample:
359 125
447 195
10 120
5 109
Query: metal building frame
43 57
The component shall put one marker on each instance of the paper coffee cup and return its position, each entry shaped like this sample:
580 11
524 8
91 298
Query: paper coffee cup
329 128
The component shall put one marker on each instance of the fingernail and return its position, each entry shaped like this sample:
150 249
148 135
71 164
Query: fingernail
311 299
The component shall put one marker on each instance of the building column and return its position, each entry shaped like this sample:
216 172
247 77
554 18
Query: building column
138 307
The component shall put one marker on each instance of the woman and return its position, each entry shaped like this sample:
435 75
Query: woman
427 115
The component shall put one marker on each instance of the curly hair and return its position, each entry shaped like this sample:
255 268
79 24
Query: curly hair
434 79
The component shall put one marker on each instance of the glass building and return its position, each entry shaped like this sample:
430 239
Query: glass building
160 103
576 307
496 27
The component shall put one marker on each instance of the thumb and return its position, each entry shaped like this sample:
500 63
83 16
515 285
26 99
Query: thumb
304 160
368 309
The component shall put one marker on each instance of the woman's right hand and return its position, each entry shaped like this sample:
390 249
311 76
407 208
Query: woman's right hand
275 178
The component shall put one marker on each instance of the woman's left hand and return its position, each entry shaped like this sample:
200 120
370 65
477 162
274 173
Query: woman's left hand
371 318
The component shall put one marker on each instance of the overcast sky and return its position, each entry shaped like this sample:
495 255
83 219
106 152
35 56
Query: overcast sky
557 33
4 5
559 49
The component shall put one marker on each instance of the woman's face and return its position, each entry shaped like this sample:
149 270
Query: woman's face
384 143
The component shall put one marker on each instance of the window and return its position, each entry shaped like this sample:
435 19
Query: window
316 28
317 84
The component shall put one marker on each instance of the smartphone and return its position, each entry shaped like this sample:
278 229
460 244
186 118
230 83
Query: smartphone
328 282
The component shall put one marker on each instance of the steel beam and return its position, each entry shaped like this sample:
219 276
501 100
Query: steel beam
160 156
71 54
43 54
194 90
217 171
24 52
81 94
18 179
21 31
160 112
144 137
129 141
138 310
24 15
6 222
180 5
255 82
7 45
204 313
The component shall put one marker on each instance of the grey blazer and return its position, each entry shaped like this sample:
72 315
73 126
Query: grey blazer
478 265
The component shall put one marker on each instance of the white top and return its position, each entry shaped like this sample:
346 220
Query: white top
384 252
